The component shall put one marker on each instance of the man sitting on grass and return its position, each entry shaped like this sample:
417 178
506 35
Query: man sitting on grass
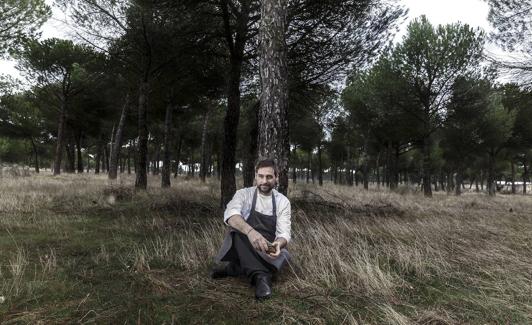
259 220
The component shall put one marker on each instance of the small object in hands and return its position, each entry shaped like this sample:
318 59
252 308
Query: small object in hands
271 248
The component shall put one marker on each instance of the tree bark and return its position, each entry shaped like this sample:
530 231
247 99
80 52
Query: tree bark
513 175
525 175
79 158
98 156
129 158
458 183
178 154
273 114
141 181
36 155
491 170
60 138
167 152
106 157
203 164
251 156
116 145
71 155
320 167
427 188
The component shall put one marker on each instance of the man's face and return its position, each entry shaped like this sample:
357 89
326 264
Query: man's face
266 180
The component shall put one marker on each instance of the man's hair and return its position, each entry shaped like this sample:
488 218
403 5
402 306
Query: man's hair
267 162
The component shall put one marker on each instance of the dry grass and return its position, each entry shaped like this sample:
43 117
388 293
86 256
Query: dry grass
77 248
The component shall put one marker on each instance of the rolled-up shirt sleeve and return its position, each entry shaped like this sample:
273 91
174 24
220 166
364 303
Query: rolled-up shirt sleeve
283 222
234 206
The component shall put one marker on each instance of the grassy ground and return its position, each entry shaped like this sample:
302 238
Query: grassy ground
75 249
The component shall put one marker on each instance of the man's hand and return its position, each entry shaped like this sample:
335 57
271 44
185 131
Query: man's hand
258 241
277 250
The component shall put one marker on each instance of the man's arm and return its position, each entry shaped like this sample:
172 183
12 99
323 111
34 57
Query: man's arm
257 240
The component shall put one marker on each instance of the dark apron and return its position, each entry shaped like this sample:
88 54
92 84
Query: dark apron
266 225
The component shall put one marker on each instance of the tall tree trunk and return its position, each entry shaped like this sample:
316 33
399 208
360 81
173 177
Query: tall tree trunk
141 181
294 172
309 164
60 137
320 167
157 159
513 175
106 157
79 158
167 152
178 154
203 163
427 188
458 185
129 158
116 145
88 161
99 153
491 171
481 180
273 68
525 174
71 155
251 156
378 178
35 154
236 45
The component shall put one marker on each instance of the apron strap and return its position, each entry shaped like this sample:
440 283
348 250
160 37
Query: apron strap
273 206
254 202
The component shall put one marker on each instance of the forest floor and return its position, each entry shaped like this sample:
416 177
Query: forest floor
77 249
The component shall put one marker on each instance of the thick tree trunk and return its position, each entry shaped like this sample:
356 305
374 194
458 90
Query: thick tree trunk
141 181
35 154
167 152
60 138
273 115
116 145
228 182
427 188
236 46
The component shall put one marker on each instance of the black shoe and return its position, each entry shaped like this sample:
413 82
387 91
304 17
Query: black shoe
263 286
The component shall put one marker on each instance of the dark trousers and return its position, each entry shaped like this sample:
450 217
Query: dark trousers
245 260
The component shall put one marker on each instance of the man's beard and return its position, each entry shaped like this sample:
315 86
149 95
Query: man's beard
268 189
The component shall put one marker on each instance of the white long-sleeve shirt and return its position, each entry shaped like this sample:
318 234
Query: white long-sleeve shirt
241 205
